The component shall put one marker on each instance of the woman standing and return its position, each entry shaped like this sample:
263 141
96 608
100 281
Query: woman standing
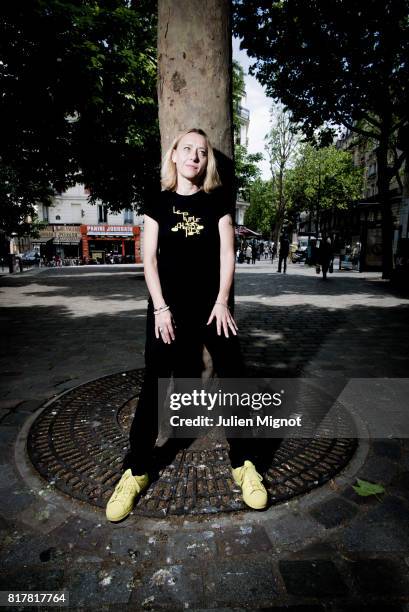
189 268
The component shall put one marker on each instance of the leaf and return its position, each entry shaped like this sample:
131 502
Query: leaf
365 488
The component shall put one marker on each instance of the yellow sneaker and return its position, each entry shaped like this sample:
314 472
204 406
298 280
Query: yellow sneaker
254 492
122 499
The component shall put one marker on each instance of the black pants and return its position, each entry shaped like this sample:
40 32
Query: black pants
282 259
182 359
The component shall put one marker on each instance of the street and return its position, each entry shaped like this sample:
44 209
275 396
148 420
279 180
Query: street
65 327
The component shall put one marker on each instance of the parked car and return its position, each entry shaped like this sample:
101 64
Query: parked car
299 249
30 256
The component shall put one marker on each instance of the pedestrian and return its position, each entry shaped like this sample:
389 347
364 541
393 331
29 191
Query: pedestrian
254 253
283 253
273 251
248 253
325 256
267 250
189 269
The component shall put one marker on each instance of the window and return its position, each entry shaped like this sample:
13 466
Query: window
45 212
102 213
128 215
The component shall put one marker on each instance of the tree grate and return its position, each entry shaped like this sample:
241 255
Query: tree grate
79 440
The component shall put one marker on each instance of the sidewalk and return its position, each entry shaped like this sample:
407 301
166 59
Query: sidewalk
328 550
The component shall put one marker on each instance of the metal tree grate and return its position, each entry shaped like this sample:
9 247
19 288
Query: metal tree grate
79 441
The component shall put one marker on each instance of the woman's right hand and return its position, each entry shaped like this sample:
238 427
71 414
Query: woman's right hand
164 326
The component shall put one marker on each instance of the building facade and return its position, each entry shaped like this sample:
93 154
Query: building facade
366 214
80 230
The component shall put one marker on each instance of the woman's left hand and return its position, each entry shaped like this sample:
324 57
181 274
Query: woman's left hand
224 320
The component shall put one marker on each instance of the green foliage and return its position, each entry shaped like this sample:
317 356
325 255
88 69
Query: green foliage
323 178
337 62
78 101
281 146
365 488
261 213
332 61
245 164
246 169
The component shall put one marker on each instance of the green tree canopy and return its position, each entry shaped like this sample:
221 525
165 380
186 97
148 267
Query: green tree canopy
323 178
78 101
336 62
261 213
245 164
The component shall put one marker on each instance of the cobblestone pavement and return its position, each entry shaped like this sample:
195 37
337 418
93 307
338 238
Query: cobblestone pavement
328 550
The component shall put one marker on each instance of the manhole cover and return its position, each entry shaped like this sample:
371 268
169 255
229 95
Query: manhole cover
78 443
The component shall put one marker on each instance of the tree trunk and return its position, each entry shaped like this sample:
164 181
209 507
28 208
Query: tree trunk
195 80
280 213
384 198
194 75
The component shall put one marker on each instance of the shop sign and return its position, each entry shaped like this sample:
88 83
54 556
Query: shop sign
61 237
109 230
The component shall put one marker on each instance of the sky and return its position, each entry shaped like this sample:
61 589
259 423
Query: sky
259 106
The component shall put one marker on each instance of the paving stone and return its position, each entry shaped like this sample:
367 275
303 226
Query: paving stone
333 335
15 500
382 577
10 404
387 448
25 549
391 509
136 547
378 470
362 536
43 517
87 536
8 478
362 607
239 582
314 578
93 587
170 587
291 529
7 438
222 609
317 550
187 545
32 579
14 418
243 540
30 406
333 512
296 608
400 486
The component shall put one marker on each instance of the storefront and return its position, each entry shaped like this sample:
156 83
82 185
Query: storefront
58 240
111 243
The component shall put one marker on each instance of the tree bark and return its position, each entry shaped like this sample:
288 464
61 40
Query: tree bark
195 80
194 75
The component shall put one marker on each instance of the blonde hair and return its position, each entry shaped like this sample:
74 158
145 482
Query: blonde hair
169 177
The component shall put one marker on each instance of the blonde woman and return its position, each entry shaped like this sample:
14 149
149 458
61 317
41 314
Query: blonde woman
189 267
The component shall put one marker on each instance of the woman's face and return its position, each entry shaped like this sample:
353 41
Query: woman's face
190 156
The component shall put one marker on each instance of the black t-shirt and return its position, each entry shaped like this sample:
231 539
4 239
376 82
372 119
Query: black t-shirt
189 243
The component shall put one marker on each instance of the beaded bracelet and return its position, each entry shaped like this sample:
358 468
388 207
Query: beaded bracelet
161 309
